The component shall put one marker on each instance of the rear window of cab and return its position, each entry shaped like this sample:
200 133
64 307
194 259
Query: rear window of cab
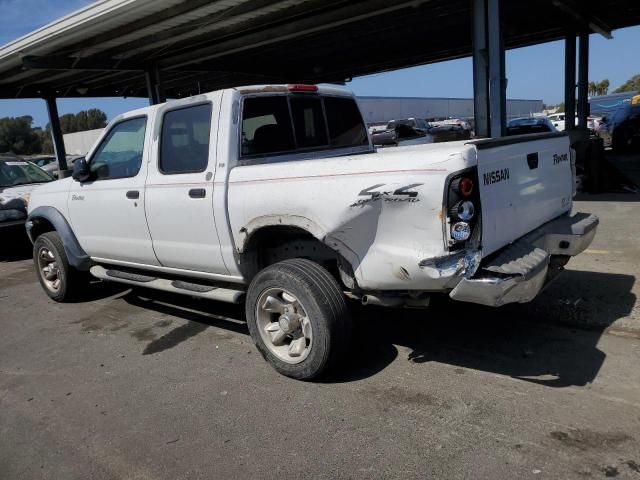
284 124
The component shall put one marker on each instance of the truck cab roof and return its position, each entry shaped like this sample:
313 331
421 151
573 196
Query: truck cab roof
322 89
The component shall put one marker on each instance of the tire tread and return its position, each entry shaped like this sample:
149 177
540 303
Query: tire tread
329 298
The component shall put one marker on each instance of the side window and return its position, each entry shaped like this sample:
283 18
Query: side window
184 142
308 122
346 128
120 153
266 126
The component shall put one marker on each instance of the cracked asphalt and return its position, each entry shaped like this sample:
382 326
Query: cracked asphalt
142 385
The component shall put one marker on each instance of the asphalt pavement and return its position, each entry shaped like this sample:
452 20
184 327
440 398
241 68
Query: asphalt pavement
142 385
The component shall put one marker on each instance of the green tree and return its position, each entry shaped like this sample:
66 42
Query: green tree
631 85
17 136
598 88
68 123
81 121
46 143
96 118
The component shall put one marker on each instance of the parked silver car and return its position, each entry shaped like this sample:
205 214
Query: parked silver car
52 167
17 179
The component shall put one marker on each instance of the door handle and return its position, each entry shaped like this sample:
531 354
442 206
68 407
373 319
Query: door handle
133 194
197 193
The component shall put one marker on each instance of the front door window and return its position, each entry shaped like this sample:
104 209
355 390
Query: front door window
120 153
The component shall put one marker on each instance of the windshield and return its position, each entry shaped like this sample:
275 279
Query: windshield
17 172
41 162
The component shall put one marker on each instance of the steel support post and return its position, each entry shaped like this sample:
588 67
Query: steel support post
497 78
583 80
570 81
480 70
56 134
155 90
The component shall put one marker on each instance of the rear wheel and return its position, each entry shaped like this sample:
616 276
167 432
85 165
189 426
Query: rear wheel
298 318
58 279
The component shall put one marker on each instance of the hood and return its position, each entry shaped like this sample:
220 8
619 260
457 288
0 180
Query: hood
41 196
16 197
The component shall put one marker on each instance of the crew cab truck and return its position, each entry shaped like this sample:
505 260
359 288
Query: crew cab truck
274 195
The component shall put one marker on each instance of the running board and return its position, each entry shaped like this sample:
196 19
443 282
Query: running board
134 277
174 286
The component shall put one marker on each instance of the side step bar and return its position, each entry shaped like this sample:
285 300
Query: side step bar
134 277
174 286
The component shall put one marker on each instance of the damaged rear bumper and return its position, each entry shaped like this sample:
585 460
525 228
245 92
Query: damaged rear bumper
520 271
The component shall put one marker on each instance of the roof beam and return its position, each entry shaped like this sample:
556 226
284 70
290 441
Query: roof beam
203 30
307 26
321 60
150 20
33 62
593 23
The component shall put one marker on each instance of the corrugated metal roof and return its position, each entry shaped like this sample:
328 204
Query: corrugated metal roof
198 45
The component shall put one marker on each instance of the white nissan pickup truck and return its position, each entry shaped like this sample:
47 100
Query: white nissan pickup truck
274 196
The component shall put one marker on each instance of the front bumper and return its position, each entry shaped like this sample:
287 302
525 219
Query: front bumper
520 271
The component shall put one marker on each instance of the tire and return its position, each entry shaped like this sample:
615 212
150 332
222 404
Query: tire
315 318
62 282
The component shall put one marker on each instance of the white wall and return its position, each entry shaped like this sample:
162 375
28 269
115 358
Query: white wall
79 143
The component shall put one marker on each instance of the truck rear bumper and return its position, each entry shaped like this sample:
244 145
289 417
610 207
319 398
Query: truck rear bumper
520 271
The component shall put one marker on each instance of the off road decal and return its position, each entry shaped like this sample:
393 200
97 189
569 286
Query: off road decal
496 176
399 195
563 157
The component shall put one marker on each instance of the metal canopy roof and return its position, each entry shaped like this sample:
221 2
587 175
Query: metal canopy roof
200 45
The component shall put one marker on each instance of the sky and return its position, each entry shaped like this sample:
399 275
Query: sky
532 72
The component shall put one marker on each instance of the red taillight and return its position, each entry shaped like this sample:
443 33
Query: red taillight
465 187
302 87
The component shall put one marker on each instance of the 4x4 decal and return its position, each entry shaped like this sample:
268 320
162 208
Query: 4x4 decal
398 195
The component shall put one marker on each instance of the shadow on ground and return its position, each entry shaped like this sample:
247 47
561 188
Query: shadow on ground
201 314
98 290
622 170
15 245
549 341
583 299
608 197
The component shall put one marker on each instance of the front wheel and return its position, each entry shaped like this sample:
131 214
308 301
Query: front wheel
298 318
58 279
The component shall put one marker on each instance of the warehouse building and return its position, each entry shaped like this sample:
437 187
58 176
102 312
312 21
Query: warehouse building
382 109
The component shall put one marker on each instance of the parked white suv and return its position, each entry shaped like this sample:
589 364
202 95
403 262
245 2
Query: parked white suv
274 195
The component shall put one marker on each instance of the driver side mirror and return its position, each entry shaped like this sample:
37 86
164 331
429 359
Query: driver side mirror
81 170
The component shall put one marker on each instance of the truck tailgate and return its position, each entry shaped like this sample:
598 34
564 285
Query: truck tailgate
525 181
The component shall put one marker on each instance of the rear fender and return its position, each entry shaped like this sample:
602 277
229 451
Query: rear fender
302 223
